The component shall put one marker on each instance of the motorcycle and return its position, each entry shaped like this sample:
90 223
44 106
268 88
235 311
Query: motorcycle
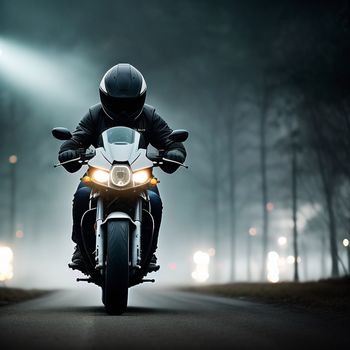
117 230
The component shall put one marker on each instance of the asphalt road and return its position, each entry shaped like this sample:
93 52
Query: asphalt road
165 319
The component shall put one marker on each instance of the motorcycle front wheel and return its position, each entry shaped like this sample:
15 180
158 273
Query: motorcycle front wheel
116 284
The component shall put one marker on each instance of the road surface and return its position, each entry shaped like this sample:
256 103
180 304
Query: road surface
165 319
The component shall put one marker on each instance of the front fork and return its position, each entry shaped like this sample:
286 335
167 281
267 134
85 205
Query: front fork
136 236
99 258
135 241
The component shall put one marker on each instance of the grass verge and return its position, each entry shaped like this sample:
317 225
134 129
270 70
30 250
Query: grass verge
15 295
323 294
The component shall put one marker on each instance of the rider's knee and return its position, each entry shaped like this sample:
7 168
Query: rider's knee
82 195
155 200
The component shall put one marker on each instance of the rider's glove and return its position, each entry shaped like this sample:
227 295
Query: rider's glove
69 155
175 155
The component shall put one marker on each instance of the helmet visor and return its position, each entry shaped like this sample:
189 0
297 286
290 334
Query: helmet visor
122 106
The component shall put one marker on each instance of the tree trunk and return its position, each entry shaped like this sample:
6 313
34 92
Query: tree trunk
249 257
232 197
328 188
332 233
304 261
294 208
323 256
327 176
265 225
215 195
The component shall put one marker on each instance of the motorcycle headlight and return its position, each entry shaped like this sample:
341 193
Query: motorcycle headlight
100 176
140 177
121 175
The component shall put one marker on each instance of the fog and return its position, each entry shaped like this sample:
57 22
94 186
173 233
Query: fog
239 77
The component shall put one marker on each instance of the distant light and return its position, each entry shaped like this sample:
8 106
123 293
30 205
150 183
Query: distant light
272 267
273 255
6 267
211 252
273 278
345 242
269 206
13 159
200 275
19 234
201 271
201 258
282 241
290 259
252 231
172 266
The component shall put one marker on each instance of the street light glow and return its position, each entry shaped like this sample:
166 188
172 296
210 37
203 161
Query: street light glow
211 252
201 271
291 259
13 159
282 241
345 242
252 231
6 268
269 206
19 234
201 258
272 267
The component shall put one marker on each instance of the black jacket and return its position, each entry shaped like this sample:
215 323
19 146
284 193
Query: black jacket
154 129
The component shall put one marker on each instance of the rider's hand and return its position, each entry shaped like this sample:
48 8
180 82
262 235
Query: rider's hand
68 155
175 154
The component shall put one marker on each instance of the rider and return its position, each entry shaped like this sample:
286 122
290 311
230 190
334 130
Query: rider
122 95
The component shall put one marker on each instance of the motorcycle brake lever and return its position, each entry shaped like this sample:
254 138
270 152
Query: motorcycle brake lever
67 161
174 161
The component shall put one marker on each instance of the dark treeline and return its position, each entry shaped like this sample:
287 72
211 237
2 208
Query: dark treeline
283 134
263 89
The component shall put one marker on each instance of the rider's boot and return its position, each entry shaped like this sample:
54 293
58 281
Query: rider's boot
77 261
153 267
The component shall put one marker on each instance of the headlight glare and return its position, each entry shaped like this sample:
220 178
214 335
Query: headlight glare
100 176
141 176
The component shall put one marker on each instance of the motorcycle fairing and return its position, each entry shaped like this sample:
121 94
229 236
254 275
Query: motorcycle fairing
116 151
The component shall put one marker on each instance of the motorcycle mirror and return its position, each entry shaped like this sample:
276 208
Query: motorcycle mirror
179 135
61 133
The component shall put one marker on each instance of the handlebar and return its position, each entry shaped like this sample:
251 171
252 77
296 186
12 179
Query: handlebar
86 155
159 159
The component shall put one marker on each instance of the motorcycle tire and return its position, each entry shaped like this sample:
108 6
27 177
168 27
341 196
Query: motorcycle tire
116 284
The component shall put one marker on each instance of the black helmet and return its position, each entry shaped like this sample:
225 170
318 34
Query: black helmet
123 92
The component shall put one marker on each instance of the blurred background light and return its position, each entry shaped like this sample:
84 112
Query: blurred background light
201 271
6 267
272 267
